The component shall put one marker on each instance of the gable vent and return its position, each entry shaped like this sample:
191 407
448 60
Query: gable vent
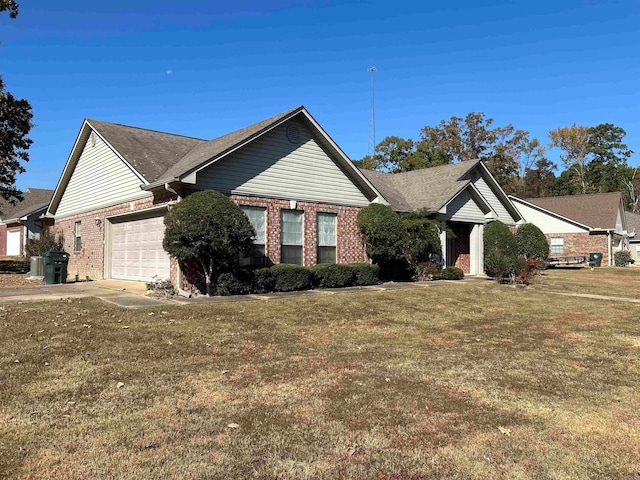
293 134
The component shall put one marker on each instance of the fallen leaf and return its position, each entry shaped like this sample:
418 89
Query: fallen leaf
233 425
120 385
505 431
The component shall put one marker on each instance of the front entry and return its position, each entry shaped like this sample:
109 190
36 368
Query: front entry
459 247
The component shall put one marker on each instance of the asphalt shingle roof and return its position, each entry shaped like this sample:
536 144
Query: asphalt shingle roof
595 210
633 222
428 188
34 199
159 155
150 152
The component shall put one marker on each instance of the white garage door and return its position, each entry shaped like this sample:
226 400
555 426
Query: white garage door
13 242
136 250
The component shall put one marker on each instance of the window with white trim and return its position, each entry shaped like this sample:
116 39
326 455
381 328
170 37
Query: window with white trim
77 233
557 245
326 237
291 237
258 219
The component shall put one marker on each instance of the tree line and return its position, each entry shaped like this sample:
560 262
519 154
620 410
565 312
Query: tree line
593 159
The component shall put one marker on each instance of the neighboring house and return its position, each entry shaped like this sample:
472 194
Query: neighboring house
579 224
298 188
633 227
22 221
463 197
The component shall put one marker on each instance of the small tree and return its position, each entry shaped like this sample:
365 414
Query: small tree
500 250
531 242
47 241
422 241
383 231
210 229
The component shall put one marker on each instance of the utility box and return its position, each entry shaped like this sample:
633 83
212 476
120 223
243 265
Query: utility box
595 259
55 267
37 268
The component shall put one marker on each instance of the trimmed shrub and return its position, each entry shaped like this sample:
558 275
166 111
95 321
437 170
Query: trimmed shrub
531 242
365 273
452 273
333 275
385 236
234 283
422 241
500 251
289 278
427 271
622 258
499 265
263 280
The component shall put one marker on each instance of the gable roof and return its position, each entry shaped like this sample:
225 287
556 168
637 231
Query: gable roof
149 152
34 199
206 151
158 158
596 210
633 222
429 188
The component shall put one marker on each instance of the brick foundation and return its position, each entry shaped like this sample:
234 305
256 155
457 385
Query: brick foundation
89 262
582 244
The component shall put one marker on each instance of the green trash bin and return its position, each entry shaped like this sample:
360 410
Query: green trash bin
595 259
55 267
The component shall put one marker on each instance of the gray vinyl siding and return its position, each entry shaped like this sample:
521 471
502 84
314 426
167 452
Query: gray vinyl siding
272 166
100 179
494 201
464 208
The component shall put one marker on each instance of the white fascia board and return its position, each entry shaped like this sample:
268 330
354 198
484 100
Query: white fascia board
501 192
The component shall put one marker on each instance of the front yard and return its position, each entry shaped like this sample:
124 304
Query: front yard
454 381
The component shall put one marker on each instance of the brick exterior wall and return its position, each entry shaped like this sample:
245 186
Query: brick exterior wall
350 246
3 239
581 244
89 261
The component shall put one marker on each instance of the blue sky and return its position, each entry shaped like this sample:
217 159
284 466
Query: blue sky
205 68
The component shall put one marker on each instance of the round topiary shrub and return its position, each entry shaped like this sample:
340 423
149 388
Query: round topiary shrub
452 273
531 242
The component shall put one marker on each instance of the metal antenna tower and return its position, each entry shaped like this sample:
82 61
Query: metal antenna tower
372 118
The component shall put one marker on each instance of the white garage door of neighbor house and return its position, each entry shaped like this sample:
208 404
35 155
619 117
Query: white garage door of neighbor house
136 250
13 242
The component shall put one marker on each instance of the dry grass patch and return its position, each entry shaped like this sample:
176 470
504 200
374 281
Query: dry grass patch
459 381
608 281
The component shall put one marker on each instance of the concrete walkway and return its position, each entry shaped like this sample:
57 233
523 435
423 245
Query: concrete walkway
125 294
132 294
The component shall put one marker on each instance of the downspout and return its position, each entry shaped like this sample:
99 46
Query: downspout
181 292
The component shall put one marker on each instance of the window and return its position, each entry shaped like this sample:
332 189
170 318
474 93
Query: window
557 245
291 237
258 218
326 238
637 251
78 236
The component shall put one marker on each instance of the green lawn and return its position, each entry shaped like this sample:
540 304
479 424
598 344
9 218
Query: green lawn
454 381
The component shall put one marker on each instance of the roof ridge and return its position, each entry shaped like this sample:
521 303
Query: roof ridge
574 196
145 129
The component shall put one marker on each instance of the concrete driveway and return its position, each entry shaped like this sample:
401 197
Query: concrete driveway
123 293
